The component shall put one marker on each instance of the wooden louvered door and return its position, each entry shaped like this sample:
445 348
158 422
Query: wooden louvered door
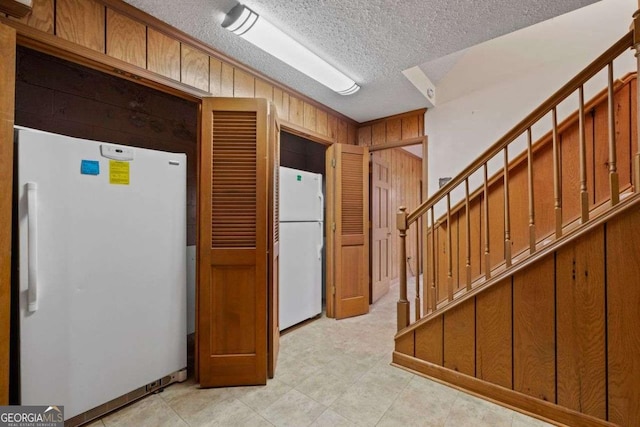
233 242
274 243
348 230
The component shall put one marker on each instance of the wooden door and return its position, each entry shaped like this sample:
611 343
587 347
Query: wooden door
274 242
380 227
233 242
7 107
347 230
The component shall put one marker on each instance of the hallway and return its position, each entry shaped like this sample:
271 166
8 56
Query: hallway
330 373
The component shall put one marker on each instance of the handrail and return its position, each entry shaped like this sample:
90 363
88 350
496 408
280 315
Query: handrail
565 91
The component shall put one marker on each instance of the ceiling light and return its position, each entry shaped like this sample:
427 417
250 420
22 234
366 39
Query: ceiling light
247 24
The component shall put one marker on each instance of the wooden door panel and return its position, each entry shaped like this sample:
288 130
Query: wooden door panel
233 243
380 227
348 231
274 244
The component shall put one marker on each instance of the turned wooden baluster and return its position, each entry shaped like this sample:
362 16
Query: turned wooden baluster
532 214
417 272
449 254
557 184
468 229
487 257
507 216
614 185
636 46
434 289
584 195
403 302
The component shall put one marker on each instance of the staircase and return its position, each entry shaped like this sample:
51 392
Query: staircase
530 292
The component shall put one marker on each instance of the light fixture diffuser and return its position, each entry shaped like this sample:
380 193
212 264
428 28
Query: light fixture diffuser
247 24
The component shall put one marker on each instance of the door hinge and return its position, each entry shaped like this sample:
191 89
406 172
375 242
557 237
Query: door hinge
333 163
333 227
333 290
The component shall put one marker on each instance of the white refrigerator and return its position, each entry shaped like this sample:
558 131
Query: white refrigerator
301 244
102 269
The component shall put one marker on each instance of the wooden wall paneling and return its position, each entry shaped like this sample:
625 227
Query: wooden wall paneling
601 153
534 332
378 133
41 16
7 111
441 261
459 338
163 54
286 105
243 84
394 130
570 174
455 248
623 322
494 334
309 115
226 80
496 223
194 69
406 344
322 126
277 100
81 22
296 111
543 191
343 134
215 77
126 39
332 127
264 90
519 208
477 230
352 134
364 136
429 341
580 325
410 127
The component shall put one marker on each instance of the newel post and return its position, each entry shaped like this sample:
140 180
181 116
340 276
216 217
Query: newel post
636 46
403 302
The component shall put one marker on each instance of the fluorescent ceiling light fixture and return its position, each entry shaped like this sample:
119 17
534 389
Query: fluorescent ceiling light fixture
247 24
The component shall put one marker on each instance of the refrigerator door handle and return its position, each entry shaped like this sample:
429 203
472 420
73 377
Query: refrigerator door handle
321 245
321 197
32 246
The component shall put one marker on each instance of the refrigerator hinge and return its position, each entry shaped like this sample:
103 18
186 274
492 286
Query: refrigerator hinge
333 163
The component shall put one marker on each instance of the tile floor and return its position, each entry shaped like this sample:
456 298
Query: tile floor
330 373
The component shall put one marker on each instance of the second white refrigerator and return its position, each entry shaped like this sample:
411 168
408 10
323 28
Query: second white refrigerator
301 244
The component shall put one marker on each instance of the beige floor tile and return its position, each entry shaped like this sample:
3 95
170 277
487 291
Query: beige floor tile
225 413
324 387
151 411
330 418
293 409
259 398
521 420
363 404
97 423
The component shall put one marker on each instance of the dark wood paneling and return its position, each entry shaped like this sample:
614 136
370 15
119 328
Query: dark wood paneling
126 39
623 300
459 338
76 101
493 335
580 323
81 22
429 344
534 332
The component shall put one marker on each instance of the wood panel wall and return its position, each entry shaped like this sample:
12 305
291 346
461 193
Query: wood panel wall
565 330
405 169
597 182
7 89
73 100
128 36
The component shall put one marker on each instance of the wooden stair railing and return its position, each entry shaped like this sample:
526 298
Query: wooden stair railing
481 204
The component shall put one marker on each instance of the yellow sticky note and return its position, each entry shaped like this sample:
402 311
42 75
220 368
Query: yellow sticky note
118 172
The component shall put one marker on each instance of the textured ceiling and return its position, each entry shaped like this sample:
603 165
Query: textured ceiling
372 41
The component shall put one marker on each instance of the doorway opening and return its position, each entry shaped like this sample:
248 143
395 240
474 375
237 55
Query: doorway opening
302 231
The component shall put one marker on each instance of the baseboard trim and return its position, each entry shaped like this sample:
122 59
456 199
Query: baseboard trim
545 411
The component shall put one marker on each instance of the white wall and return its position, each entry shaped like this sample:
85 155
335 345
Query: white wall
496 84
